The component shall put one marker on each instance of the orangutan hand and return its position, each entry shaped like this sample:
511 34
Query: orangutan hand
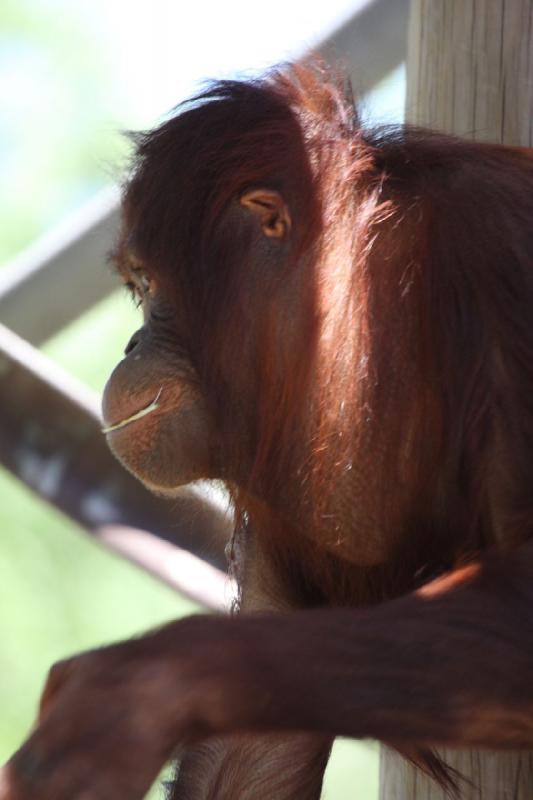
104 730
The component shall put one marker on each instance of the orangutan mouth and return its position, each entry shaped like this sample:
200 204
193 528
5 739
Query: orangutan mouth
143 412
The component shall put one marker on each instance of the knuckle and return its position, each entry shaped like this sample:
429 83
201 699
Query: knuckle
58 674
59 671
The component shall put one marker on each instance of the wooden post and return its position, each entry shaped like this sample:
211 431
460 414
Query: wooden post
470 72
470 68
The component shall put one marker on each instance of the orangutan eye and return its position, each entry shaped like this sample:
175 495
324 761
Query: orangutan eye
145 283
135 295
140 285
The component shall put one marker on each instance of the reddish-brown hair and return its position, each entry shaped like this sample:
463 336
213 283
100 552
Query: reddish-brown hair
415 247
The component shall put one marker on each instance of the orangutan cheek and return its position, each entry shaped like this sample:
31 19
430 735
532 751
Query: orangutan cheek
165 450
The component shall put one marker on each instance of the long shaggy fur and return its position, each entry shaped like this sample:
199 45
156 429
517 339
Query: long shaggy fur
410 398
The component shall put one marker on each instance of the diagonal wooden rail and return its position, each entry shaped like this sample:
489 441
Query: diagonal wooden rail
64 274
50 438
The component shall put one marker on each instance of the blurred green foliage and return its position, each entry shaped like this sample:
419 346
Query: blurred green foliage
58 132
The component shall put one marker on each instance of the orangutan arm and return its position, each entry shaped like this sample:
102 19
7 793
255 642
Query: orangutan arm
448 665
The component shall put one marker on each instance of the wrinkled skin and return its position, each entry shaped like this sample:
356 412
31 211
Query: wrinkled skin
170 446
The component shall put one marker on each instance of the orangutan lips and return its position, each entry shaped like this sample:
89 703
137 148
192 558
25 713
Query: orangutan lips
143 412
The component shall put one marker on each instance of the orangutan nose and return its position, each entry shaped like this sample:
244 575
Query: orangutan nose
133 342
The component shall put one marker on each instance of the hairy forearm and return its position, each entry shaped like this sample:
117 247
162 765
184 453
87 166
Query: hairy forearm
451 664
447 665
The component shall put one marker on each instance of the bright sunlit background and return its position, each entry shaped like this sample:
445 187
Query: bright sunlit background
73 74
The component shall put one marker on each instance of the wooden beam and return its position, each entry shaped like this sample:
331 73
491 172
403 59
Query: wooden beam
470 68
64 274
181 570
51 439
489 776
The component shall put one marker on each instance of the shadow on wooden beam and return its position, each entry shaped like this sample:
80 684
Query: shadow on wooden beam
50 438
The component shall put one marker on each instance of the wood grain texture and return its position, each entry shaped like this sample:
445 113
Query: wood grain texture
488 776
470 68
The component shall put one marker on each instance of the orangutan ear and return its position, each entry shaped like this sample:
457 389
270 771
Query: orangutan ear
271 210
